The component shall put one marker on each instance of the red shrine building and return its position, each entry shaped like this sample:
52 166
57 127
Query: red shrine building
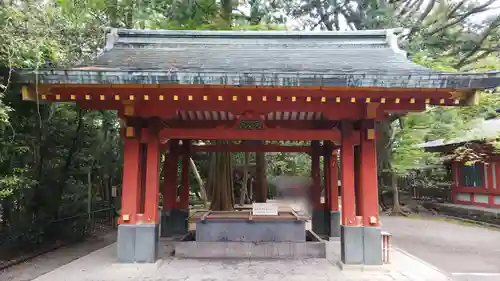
330 88
477 183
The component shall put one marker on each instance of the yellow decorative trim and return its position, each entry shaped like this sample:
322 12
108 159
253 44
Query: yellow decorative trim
146 97
249 98
58 97
294 99
367 100
72 97
102 97
131 97
397 100
382 100
353 99
117 97
160 97
220 98
337 99
370 134
129 110
205 98
87 97
427 101
190 97
441 101
264 98
44 97
278 98
176 97
323 99
235 98
412 100
130 132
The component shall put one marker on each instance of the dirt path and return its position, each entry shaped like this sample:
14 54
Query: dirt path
42 264
467 252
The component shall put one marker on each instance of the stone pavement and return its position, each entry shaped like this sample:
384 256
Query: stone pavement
101 266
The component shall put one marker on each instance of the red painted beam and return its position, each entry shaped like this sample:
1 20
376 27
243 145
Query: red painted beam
235 134
250 148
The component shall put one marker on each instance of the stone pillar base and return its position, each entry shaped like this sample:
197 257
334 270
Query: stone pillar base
174 222
321 222
137 243
334 224
372 245
361 245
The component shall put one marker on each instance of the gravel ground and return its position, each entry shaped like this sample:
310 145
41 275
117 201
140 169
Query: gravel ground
42 264
467 252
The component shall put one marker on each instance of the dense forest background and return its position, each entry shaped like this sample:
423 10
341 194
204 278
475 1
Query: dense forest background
58 160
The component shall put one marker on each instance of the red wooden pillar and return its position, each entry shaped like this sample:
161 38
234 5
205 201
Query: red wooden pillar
170 175
151 200
347 175
368 174
131 180
333 182
327 155
315 175
184 202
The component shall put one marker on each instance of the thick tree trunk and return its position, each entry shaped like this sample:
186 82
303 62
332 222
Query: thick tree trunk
244 185
396 207
221 181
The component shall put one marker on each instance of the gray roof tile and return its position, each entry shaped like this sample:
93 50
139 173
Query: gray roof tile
368 58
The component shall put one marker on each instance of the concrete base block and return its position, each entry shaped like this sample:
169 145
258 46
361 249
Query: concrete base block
334 224
351 245
321 222
137 243
226 230
362 267
174 222
125 243
372 246
146 243
275 250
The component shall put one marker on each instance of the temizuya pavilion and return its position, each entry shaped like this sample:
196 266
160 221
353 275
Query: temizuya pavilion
329 88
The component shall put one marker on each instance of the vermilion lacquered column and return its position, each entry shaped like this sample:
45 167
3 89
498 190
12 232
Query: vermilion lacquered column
131 181
347 175
368 174
184 202
327 173
151 212
170 175
315 175
333 182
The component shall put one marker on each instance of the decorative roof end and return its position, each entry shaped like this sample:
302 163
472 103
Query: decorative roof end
392 39
111 38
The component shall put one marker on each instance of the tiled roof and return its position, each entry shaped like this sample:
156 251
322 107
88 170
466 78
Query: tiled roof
486 129
368 58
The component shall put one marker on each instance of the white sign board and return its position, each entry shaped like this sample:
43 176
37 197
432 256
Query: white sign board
264 209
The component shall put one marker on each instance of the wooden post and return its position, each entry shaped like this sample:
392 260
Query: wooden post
368 175
260 174
131 179
315 175
327 173
184 202
334 182
170 176
151 211
347 175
